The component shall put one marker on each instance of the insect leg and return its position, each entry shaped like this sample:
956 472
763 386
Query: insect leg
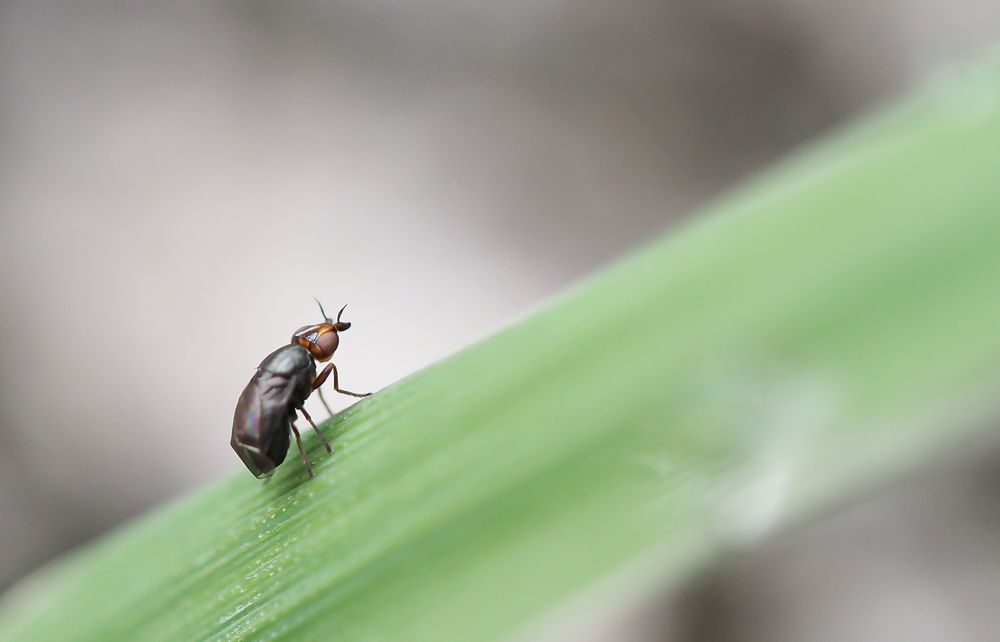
319 381
323 399
336 385
318 433
298 440
321 378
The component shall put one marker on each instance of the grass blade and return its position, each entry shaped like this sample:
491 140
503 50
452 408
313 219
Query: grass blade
833 322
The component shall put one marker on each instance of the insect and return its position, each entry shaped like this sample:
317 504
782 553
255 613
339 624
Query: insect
269 404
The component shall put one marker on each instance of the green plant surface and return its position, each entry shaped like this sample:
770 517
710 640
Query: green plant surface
834 322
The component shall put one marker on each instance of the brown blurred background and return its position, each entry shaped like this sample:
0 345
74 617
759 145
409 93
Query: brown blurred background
177 180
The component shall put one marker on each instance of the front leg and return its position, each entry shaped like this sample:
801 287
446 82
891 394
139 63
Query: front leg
336 382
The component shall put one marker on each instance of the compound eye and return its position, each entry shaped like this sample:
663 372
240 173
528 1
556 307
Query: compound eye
325 345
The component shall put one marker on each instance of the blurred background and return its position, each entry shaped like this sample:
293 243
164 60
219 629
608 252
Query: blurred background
178 180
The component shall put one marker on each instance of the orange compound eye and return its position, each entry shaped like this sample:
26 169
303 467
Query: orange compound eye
320 340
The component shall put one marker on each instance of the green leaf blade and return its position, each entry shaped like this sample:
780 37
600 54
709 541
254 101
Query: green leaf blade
833 322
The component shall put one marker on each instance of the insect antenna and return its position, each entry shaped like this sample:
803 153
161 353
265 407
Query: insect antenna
322 311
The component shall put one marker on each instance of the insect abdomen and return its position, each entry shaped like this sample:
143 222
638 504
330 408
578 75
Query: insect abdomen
260 422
